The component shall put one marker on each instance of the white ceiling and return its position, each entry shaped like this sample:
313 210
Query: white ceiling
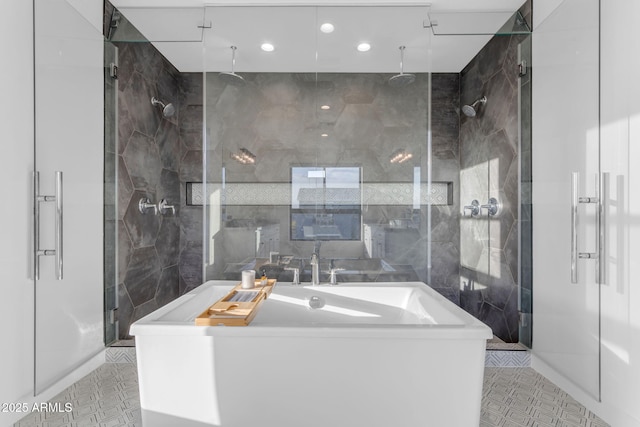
293 28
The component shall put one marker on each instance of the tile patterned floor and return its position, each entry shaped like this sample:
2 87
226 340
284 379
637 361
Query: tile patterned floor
107 397
512 397
521 397
507 359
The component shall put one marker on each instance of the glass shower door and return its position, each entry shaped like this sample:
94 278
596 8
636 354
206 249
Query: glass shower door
316 151
491 153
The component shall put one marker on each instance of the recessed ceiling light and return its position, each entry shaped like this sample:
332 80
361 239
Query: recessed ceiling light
364 47
327 28
267 47
325 107
324 135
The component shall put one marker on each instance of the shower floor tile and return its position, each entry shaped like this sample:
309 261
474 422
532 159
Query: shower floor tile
510 397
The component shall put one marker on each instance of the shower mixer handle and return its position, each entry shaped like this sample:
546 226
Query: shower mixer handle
474 207
144 204
493 207
164 207
333 279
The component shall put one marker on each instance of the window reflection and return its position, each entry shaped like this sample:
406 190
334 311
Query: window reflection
326 203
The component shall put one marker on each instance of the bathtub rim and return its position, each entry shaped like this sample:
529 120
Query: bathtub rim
153 323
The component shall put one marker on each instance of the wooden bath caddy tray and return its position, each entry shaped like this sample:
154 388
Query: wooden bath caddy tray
238 307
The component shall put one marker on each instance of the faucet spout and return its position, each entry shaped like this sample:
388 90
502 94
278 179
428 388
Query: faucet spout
315 263
315 269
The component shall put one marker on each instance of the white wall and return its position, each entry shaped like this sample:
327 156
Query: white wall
620 157
16 216
542 9
16 122
91 10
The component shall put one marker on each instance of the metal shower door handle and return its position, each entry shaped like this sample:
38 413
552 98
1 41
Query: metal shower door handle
57 251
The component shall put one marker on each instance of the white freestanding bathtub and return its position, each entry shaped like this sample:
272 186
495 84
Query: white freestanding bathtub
367 354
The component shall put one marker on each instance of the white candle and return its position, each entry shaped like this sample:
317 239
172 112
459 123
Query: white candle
248 279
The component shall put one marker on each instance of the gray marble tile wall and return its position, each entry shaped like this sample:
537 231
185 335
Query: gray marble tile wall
489 162
148 270
445 220
190 170
159 256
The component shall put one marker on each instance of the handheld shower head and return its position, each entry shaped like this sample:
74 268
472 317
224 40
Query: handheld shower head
168 110
470 110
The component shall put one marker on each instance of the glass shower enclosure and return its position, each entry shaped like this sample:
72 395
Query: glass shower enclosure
361 153
337 131
313 148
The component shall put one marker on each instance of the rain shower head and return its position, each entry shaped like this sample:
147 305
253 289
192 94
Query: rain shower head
402 79
168 110
232 78
470 110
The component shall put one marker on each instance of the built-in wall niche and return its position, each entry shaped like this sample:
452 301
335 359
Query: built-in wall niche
280 194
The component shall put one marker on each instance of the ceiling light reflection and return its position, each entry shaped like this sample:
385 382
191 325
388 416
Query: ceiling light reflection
244 156
267 47
327 28
400 156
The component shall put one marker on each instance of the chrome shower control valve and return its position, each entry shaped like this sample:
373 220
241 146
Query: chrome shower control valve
145 204
164 207
474 207
493 207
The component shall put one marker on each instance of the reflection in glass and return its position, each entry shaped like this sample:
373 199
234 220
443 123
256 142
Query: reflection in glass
325 203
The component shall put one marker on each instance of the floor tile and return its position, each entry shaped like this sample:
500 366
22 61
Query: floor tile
511 397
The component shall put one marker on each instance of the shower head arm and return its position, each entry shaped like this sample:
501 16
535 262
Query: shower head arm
482 101
155 101
233 59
